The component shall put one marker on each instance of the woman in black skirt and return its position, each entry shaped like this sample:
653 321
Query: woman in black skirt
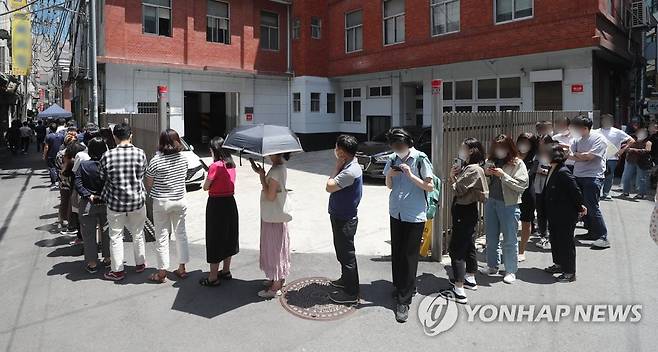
526 143
221 214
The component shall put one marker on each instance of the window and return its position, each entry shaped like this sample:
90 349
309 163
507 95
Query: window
269 31
156 17
487 88
296 28
510 87
354 31
331 103
445 16
510 108
510 10
383 91
316 28
487 108
463 108
217 30
447 90
464 90
393 21
315 102
352 105
296 102
447 109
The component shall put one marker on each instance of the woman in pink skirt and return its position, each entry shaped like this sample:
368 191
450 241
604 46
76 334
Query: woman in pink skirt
275 215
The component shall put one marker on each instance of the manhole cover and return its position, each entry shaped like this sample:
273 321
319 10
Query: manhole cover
309 299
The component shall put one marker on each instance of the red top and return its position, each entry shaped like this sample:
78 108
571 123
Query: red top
222 180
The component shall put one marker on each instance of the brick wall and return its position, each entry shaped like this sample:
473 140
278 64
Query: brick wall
125 42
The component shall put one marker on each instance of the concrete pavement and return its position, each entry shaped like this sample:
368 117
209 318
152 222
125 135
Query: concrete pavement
50 303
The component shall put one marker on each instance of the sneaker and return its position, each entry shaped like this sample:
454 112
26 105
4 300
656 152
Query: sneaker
624 195
489 271
467 285
606 197
107 264
140 268
114 275
639 196
521 257
509 278
553 269
566 278
342 297
75 242
269 293
543 243
91 269
588 237
67 232
453 296
402 313
337 283
601 243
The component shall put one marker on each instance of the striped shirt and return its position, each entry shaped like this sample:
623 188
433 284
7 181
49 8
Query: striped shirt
168 173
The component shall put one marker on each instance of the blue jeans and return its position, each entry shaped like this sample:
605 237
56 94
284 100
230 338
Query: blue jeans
498 218
591 188
610 167
632 172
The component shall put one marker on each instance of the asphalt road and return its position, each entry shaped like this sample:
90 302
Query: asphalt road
49 303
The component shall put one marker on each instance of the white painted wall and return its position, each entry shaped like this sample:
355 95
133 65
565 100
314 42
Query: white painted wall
126 85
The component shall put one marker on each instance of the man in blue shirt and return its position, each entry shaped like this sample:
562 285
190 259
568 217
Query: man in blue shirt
346 188
409 177
53 142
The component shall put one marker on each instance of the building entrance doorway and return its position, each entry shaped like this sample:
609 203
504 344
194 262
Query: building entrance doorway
209 114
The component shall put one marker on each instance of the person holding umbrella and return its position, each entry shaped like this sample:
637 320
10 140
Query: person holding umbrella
275 215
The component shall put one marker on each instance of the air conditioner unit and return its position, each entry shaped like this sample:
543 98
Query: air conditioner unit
638 15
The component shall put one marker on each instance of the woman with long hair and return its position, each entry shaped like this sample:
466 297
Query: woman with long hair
221 214
275 215
508 179
469 185
165 182
526 144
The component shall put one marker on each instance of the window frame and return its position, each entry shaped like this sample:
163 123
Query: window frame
296 102
317 27
315 103
217 18
296 33
444 3
380 89
269 27
157 17
351 100
353 29
495 11
394 18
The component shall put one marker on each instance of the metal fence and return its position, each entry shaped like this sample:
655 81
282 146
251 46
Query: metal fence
145 128
484 126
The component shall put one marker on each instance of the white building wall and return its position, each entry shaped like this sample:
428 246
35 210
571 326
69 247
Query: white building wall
126 85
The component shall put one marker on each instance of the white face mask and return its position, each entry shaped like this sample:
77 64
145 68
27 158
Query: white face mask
463 155
544 161
402 155
501 154
574 133
642 136
524 148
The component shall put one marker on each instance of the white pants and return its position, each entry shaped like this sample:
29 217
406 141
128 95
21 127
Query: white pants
134 222
169 215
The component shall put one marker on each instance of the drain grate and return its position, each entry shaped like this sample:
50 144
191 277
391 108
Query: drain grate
308 298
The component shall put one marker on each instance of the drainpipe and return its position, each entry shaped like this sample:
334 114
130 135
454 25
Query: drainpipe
288 42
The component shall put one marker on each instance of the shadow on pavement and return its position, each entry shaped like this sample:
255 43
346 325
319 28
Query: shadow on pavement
534 276
54 242
73 271
48 216
68 251
209 302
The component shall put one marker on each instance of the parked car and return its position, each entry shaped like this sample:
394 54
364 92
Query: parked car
373 155
195 171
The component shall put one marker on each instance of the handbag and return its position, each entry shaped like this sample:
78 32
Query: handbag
278 210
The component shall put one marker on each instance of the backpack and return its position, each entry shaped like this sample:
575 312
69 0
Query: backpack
432 199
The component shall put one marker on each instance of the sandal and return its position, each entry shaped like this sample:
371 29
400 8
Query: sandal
181 274
206 282
225 275
155 277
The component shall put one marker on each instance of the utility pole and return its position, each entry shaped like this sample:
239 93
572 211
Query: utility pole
437 163
94 69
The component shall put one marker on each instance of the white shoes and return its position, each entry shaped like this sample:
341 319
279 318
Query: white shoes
509 278
521 257
489 271
269 293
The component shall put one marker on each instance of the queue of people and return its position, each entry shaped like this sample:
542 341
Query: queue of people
545 181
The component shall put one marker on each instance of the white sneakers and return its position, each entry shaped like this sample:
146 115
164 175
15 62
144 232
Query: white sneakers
521 257
489 271
509 278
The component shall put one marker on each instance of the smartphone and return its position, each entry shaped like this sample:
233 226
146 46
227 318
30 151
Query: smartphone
457 162
396 168
489 164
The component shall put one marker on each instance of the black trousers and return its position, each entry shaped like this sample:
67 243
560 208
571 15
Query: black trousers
344 231
405 247
541 214
463 257
563 244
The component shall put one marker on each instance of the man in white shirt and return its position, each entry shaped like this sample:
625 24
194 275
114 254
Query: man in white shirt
564 137
617 141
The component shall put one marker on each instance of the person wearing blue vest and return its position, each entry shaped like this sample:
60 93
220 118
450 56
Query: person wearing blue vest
346 188
409 177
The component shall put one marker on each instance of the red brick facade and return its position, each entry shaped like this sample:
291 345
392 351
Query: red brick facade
187 47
